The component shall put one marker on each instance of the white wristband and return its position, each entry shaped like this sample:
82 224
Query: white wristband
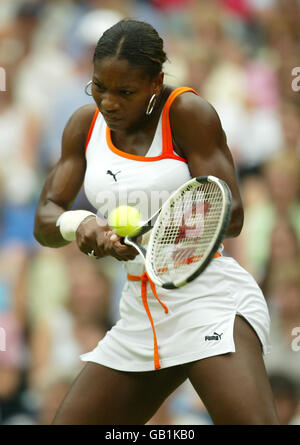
68 222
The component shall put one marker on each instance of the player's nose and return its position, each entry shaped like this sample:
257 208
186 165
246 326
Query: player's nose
109 104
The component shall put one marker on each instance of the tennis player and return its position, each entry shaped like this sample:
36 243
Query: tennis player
144 135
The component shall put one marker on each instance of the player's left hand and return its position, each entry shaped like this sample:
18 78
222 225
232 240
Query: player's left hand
122 252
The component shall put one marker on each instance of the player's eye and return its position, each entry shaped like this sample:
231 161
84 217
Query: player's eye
99 87
126 92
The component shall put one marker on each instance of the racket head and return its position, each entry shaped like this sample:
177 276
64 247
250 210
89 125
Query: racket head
201 208
145 227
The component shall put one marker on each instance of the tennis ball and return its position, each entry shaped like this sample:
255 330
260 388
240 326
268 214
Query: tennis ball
124 220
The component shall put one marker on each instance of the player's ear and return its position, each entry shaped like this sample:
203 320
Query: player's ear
157 83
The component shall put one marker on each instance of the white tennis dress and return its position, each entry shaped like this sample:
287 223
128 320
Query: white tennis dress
159 328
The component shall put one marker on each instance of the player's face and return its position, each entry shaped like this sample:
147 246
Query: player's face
122 92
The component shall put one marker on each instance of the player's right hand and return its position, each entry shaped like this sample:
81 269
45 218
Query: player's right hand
92 236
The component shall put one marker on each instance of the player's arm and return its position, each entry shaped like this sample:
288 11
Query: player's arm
61 188
64 181
197 130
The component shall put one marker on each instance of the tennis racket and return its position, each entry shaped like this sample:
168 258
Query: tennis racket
186 232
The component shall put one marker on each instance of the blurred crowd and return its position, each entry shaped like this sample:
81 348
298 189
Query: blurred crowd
55 304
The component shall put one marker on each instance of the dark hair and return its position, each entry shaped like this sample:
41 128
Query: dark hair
137 42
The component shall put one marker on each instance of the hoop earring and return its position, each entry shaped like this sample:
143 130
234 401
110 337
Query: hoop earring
86 88
151 105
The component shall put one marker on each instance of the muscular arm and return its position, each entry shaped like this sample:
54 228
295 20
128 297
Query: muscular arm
64 181
197 130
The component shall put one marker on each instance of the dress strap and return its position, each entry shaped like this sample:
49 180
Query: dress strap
168 151
91 129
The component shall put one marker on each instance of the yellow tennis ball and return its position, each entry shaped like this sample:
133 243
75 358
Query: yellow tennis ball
124 220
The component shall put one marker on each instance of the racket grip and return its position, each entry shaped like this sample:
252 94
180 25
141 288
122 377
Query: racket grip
123 241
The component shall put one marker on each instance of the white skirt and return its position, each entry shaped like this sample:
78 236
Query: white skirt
199 322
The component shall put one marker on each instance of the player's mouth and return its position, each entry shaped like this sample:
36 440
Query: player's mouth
111 119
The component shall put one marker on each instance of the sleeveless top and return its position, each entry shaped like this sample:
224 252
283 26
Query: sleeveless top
114 177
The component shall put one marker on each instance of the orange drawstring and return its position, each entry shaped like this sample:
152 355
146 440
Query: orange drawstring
144 278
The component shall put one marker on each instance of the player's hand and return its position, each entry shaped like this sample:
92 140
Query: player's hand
122 251
92 236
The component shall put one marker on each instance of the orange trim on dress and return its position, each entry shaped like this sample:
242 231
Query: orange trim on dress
128 155
91 129
167 149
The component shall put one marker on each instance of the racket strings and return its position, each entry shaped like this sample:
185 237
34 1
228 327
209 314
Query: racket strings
186 231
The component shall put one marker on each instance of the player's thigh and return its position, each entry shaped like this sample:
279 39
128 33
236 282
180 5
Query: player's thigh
105 396
234 387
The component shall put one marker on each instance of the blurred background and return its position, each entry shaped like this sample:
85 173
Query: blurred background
241 56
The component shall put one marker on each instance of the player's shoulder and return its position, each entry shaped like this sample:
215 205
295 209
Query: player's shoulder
76 130
190 104
190 110
82 118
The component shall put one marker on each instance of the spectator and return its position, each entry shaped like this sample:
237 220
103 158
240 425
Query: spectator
286 399
44 265
11 355
284 303
282 176
284 248
53 391
59 337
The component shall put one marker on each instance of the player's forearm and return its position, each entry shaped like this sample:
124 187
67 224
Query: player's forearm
45 230
237 220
